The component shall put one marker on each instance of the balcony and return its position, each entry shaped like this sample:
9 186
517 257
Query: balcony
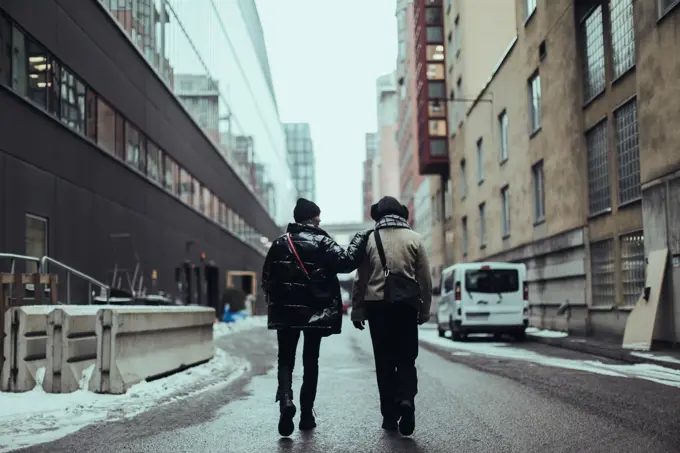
433 145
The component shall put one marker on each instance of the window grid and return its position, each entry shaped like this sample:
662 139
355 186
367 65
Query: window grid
599 193
628 152
539 192
632 248
603 272
503 128
505 211
535 102
592 31
623 36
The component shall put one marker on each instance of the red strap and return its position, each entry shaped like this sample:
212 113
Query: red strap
290 242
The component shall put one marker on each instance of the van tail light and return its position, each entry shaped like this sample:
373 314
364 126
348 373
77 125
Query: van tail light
457 290
526 291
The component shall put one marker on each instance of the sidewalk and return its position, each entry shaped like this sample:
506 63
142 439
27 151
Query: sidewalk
669 358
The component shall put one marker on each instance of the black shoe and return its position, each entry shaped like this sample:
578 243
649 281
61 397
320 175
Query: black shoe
286 425
389 424
407 422
307 421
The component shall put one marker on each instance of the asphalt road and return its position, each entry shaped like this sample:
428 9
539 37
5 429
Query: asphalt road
467 403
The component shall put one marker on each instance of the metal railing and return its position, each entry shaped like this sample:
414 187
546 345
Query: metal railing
104 289
14 257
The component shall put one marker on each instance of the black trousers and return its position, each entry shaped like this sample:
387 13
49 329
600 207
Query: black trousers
394 333
288 340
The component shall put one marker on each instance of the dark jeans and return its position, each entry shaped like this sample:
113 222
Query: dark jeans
394 333
288 341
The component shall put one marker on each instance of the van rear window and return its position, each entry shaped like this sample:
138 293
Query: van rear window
492 281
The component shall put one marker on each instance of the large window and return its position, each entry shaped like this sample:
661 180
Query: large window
503 135
465 238
185 187
538 187
30 66
492 281
106 127
206 203
197 200
603 272
505 211
36 240
5 50
628 152
632 248
436 90
599 194
434 34
172 179
463 180
72 100
135 150
153 162
535 102
623 36
592 35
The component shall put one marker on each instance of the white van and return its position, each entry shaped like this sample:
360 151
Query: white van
483 298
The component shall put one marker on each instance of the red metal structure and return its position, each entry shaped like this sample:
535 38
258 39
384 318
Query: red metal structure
433 145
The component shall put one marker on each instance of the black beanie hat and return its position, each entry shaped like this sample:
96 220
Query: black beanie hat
388 206
305 210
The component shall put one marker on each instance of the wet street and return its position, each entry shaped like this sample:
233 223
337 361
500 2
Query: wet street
520 398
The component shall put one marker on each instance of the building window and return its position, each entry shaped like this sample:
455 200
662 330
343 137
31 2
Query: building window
535 102
72 100
437 128
185 187
505 211
106 127
628 152
623 36
599 194
603 272
465 239
36 240
197 199
169 181
538 184
592 35
206 203
667 5
482 224
434 34
457 36
439 147
632 248
480 161
91 115
436 89
215 211
30 66
135 150
503 135
530 7
153 162
453 113
463 180
5 50
448 200
460 101
120 137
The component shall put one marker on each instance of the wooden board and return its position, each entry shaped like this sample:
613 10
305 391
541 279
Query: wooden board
642 320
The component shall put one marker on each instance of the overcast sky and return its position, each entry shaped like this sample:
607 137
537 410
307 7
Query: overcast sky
325 56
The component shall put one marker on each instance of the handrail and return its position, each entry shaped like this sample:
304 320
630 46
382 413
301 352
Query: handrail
14 257
91 281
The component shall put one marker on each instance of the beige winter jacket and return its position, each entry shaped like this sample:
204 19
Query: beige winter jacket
406 254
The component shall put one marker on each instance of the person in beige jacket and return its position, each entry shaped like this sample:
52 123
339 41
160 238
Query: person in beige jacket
393 326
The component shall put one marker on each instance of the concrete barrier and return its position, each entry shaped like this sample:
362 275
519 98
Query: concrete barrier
25 346
71 346
137 343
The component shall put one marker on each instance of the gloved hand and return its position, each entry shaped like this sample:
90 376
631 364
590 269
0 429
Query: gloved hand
358 325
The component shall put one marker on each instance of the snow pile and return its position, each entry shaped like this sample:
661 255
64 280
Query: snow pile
222 328
545 333
36 417
653 373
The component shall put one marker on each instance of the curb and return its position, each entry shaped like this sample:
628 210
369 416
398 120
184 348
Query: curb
613 353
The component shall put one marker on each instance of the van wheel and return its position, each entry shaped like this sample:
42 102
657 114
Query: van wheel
456 336
442 333
521 336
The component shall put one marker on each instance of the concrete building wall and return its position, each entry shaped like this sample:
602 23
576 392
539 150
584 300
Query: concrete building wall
388 150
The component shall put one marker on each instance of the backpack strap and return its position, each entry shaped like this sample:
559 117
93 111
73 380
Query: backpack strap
381 251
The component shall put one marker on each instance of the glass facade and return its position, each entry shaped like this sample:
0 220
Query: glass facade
212 55
301 158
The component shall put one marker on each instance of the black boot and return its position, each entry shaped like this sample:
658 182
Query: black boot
389 424
307 420
407 420
285 399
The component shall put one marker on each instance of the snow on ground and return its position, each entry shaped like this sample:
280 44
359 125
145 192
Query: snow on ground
36 417
546 333
649 372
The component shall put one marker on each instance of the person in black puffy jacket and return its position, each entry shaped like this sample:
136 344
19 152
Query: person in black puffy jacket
299 279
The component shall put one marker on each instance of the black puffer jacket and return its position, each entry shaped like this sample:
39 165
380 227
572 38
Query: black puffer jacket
296 300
